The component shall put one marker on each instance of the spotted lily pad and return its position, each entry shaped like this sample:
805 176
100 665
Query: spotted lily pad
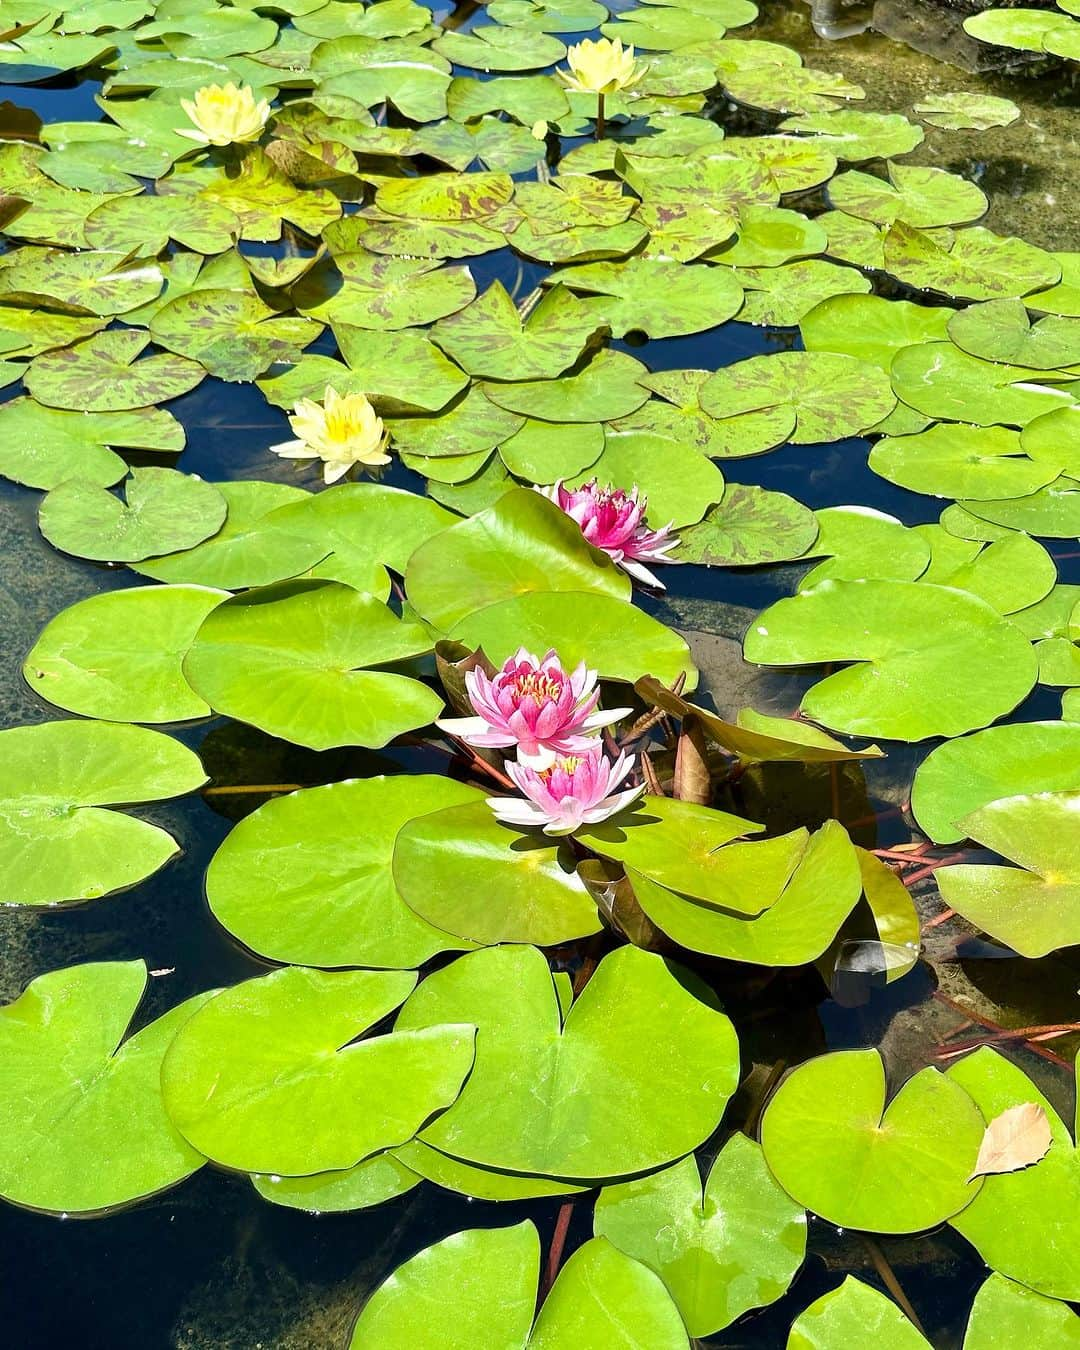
908 641
835 1147
292 659
270 1076
102 374
84 1127
920 197
606 388
750 526
569 1095
1000 330
102 283
56 841
979 265
966 112
662 299
231 334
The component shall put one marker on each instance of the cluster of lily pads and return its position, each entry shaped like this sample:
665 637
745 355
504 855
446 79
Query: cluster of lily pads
1053 31
572 867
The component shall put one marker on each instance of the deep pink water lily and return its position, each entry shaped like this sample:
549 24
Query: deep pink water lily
576 790
535 705
614 520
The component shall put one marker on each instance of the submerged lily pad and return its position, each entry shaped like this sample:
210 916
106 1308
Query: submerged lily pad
291 660
83 1124
297 881
56 841
835 1147
722 1247
270 1076
163 510
908 642
573 1097
117 655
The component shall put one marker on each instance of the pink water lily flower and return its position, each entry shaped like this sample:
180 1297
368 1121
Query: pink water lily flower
536 706
614 520
576 790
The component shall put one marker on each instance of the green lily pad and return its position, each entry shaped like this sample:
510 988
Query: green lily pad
297 882
961 461
1024 1224
101 283
39 330
783 296
856 136
668 28
979 265
1053 439
445 197
800 91
607 388
573 1098
835 1147
231 334
164 510
290 659
945 383
1001 330
721 1248
370 1183
770 236
481 1183
370 71
371 291
84 1127
920 197
662 299
619 640
269 1076
859 544
961 777
1005 1313
472 426
528 98
56 843
600 1294
117 655
796 929
250 549
966 112
466 873
491 47
1064 298
523 543
543 452
850 1315
908 642
1011 574
1052 512
871 328
750 526
41 446
1019 28
1035 906
148 224
491 341
103 375
833 396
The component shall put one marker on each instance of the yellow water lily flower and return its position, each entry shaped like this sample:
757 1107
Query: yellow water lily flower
342 431
601 67
224 114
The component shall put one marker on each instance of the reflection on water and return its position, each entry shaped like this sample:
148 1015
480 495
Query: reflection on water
211 1265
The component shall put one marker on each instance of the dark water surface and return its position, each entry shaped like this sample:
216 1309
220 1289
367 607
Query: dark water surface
211 1266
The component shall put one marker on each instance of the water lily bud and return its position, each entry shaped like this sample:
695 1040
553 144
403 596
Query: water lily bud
224 115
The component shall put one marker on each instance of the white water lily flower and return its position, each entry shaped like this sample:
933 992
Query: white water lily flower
224 115
342 431
601 67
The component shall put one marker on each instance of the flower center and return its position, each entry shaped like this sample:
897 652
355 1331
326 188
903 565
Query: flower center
538 685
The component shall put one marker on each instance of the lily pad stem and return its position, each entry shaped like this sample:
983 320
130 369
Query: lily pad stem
601 121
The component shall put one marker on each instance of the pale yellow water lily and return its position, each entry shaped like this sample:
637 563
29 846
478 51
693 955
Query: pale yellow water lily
601 67
342 431
224 114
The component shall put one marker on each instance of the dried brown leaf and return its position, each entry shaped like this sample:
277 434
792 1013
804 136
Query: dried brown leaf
1017 1138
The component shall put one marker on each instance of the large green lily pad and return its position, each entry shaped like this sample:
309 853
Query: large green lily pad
961 461
835 1147
943 382
84 1127
1001 330
662 299
573 1097
1006 1313
56 841
721 1248
977 265
908 641
270 1076
117 655
858 543
296 881
750 526
103 375
606 388
291 659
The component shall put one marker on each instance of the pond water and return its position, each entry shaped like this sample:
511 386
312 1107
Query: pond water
210 1264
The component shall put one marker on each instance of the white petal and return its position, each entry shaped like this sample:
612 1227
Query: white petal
543 759
464 727
604 718
636 570
516 811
